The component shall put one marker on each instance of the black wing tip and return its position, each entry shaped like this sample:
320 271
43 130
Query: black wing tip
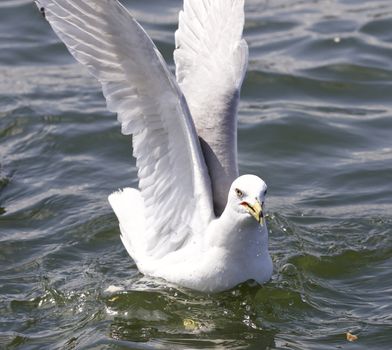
41 8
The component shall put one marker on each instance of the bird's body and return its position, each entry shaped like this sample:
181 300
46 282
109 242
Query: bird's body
234 249
193 221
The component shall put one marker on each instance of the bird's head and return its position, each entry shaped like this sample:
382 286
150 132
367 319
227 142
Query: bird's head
247 196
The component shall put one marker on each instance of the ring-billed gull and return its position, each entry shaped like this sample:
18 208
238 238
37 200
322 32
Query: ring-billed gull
193 221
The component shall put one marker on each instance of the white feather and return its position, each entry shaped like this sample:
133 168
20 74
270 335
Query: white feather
128 206
211 60
173 179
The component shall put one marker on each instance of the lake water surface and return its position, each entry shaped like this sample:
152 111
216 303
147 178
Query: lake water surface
315 122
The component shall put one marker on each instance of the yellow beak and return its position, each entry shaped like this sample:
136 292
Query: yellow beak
256 210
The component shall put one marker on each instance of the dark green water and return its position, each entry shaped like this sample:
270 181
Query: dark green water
315 123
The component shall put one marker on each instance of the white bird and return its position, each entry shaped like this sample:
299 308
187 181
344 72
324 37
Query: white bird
193 221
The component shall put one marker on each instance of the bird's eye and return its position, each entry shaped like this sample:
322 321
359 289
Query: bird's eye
265 193
239 193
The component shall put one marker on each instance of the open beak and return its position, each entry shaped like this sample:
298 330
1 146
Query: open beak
256 210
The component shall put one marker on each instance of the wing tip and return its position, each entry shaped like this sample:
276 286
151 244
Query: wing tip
41 8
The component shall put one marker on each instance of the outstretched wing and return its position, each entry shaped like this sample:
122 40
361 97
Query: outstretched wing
211 60
138 86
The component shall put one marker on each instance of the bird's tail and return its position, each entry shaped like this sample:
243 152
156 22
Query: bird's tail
128 206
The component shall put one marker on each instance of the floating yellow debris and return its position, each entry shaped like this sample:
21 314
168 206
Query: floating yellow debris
351 337
190 325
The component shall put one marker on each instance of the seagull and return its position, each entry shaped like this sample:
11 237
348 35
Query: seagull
193 221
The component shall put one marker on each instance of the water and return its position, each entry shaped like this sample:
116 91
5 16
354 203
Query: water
315 123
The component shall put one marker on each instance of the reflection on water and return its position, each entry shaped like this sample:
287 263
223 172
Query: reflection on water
315 121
